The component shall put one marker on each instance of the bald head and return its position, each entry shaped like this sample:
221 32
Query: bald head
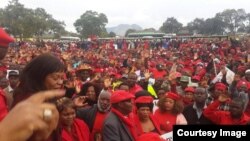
105 94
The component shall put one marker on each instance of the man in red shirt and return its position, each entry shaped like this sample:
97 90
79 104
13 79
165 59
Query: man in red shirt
95 115
119 124
159 72
235 115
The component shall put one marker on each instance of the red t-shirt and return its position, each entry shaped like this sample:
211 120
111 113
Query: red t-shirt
166 120
158 74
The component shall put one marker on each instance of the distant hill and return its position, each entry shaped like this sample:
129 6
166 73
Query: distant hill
122 28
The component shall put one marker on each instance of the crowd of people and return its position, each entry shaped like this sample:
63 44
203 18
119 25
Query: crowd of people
121 90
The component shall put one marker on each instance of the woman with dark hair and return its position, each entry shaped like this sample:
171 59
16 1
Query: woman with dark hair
170 112
145 122
91 91
142 93
72 129
45 72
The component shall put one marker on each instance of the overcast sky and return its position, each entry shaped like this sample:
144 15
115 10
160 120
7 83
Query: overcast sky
146 13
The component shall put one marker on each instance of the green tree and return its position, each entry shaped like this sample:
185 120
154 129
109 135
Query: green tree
171 25
129 31
112 34
91 23
57 28
14 17
45 23
196 26
213 26
149 30
24 23
1 17
247 29
233 19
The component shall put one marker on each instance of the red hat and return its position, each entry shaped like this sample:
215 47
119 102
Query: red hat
188 70
5 39
189 89
196 77
177 74
120 95
241 68
144 99
242 83
3 68
172 95
150 137
220 86
98 70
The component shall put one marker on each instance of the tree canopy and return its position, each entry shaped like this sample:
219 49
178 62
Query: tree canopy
228 21
25 23
91 23
171 25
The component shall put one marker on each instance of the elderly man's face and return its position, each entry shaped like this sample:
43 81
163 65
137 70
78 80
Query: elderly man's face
104 101
200 95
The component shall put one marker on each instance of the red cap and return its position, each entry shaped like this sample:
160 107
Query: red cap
189 89
220 86
188 70
144 99
120 95
196 77
5 39
98 70
242 83
172 95
177 74
3 68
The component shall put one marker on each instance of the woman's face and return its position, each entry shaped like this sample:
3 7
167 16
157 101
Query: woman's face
54 80
160 93
91 93
67 116
169 104
189 95
143 113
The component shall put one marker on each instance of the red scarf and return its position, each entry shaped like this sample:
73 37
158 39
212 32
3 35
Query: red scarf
98 124
80 131
127 121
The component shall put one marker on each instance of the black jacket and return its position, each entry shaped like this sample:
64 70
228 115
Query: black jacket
87 115
192 118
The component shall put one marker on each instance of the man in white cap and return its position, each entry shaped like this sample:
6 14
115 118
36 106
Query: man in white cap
13 79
